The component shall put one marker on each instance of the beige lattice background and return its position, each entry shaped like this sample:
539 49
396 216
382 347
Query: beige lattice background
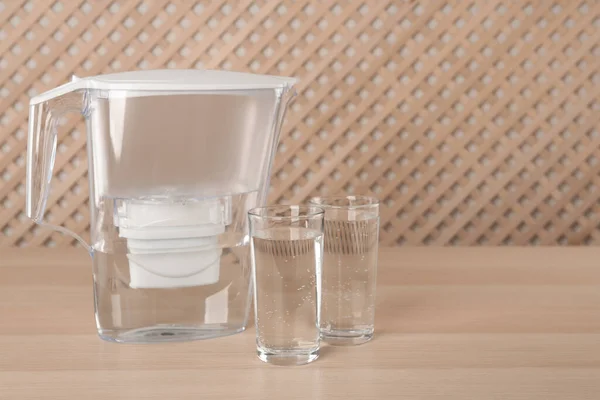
474 122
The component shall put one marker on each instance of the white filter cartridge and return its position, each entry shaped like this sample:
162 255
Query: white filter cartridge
173 244
144 277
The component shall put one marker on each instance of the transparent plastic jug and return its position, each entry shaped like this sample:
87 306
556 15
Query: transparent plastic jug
176 159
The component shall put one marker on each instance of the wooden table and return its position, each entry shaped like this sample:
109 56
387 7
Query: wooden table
452 323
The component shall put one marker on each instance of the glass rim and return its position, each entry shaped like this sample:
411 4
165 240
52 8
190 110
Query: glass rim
304 212
324 202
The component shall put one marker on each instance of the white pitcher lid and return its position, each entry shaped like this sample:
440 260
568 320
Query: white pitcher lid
170 80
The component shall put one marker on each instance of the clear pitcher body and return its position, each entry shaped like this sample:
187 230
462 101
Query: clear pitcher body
173 170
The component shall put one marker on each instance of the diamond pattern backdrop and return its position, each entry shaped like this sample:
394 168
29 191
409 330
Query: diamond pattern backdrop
474 122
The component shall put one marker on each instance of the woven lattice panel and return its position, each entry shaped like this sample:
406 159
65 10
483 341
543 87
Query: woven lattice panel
475 122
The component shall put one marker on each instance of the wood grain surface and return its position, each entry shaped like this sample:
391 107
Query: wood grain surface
475 122
452 323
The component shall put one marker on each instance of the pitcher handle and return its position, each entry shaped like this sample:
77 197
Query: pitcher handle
44 113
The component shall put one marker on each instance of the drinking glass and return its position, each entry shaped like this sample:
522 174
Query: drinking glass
287 253
349 268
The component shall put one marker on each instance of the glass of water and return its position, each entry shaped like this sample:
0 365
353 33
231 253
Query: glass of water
349 268
287 253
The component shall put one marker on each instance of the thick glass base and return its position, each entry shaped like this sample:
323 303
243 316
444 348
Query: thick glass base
346 337
288 357
166 333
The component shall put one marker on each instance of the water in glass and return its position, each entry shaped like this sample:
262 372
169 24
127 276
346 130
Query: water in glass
287 264
349 280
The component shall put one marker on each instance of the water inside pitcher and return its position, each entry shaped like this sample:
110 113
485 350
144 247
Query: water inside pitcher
176 159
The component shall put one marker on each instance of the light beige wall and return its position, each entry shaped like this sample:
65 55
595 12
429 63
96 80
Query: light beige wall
475 122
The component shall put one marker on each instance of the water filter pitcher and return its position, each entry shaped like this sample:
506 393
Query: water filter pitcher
176 159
